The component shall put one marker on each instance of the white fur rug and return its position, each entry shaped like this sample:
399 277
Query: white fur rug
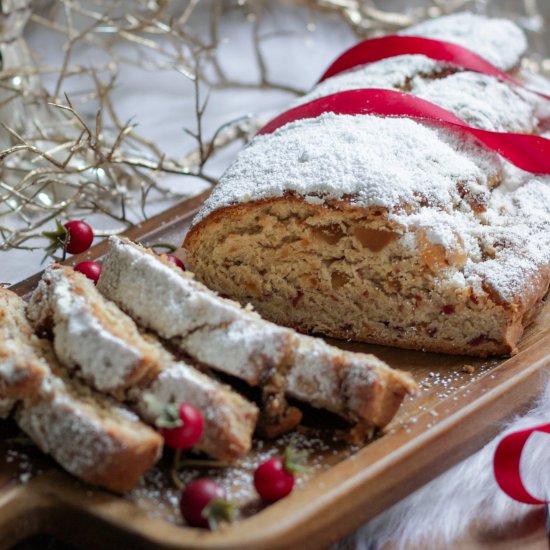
452 505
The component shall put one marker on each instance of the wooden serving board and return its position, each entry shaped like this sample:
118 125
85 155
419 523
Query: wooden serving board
456 412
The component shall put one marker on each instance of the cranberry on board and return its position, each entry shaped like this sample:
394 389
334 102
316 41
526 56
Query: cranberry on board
174 259
190 431
198 500
272 480
80 236
92 270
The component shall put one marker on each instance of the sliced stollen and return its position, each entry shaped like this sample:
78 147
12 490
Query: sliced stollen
388 230
81 320
6 406
222 335
357 386
88 434
21 371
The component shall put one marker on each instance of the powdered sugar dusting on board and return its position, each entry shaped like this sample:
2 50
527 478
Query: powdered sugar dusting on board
157 494
499 41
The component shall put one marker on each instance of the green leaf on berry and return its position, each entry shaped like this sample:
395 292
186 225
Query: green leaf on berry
218 511
58 239
167 414
295 461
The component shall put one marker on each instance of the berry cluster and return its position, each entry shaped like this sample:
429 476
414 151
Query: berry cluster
203 502
76 237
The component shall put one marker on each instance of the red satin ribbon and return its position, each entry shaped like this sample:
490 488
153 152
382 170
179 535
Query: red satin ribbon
376 49
506 465
528 152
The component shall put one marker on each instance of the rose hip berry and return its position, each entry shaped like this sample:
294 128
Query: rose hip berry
203 503
80 236
272 480
187 428
92 270
174 259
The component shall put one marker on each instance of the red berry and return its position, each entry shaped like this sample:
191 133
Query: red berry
92 270
272 481
196 497
174 259
81 236
187 435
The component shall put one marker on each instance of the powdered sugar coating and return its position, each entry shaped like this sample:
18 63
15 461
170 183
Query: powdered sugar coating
180 383
249 349
21 369
89 435
516 229
480 100
172 289
67 429
499 41
315 378
384 162
392 73
483 101
10 371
